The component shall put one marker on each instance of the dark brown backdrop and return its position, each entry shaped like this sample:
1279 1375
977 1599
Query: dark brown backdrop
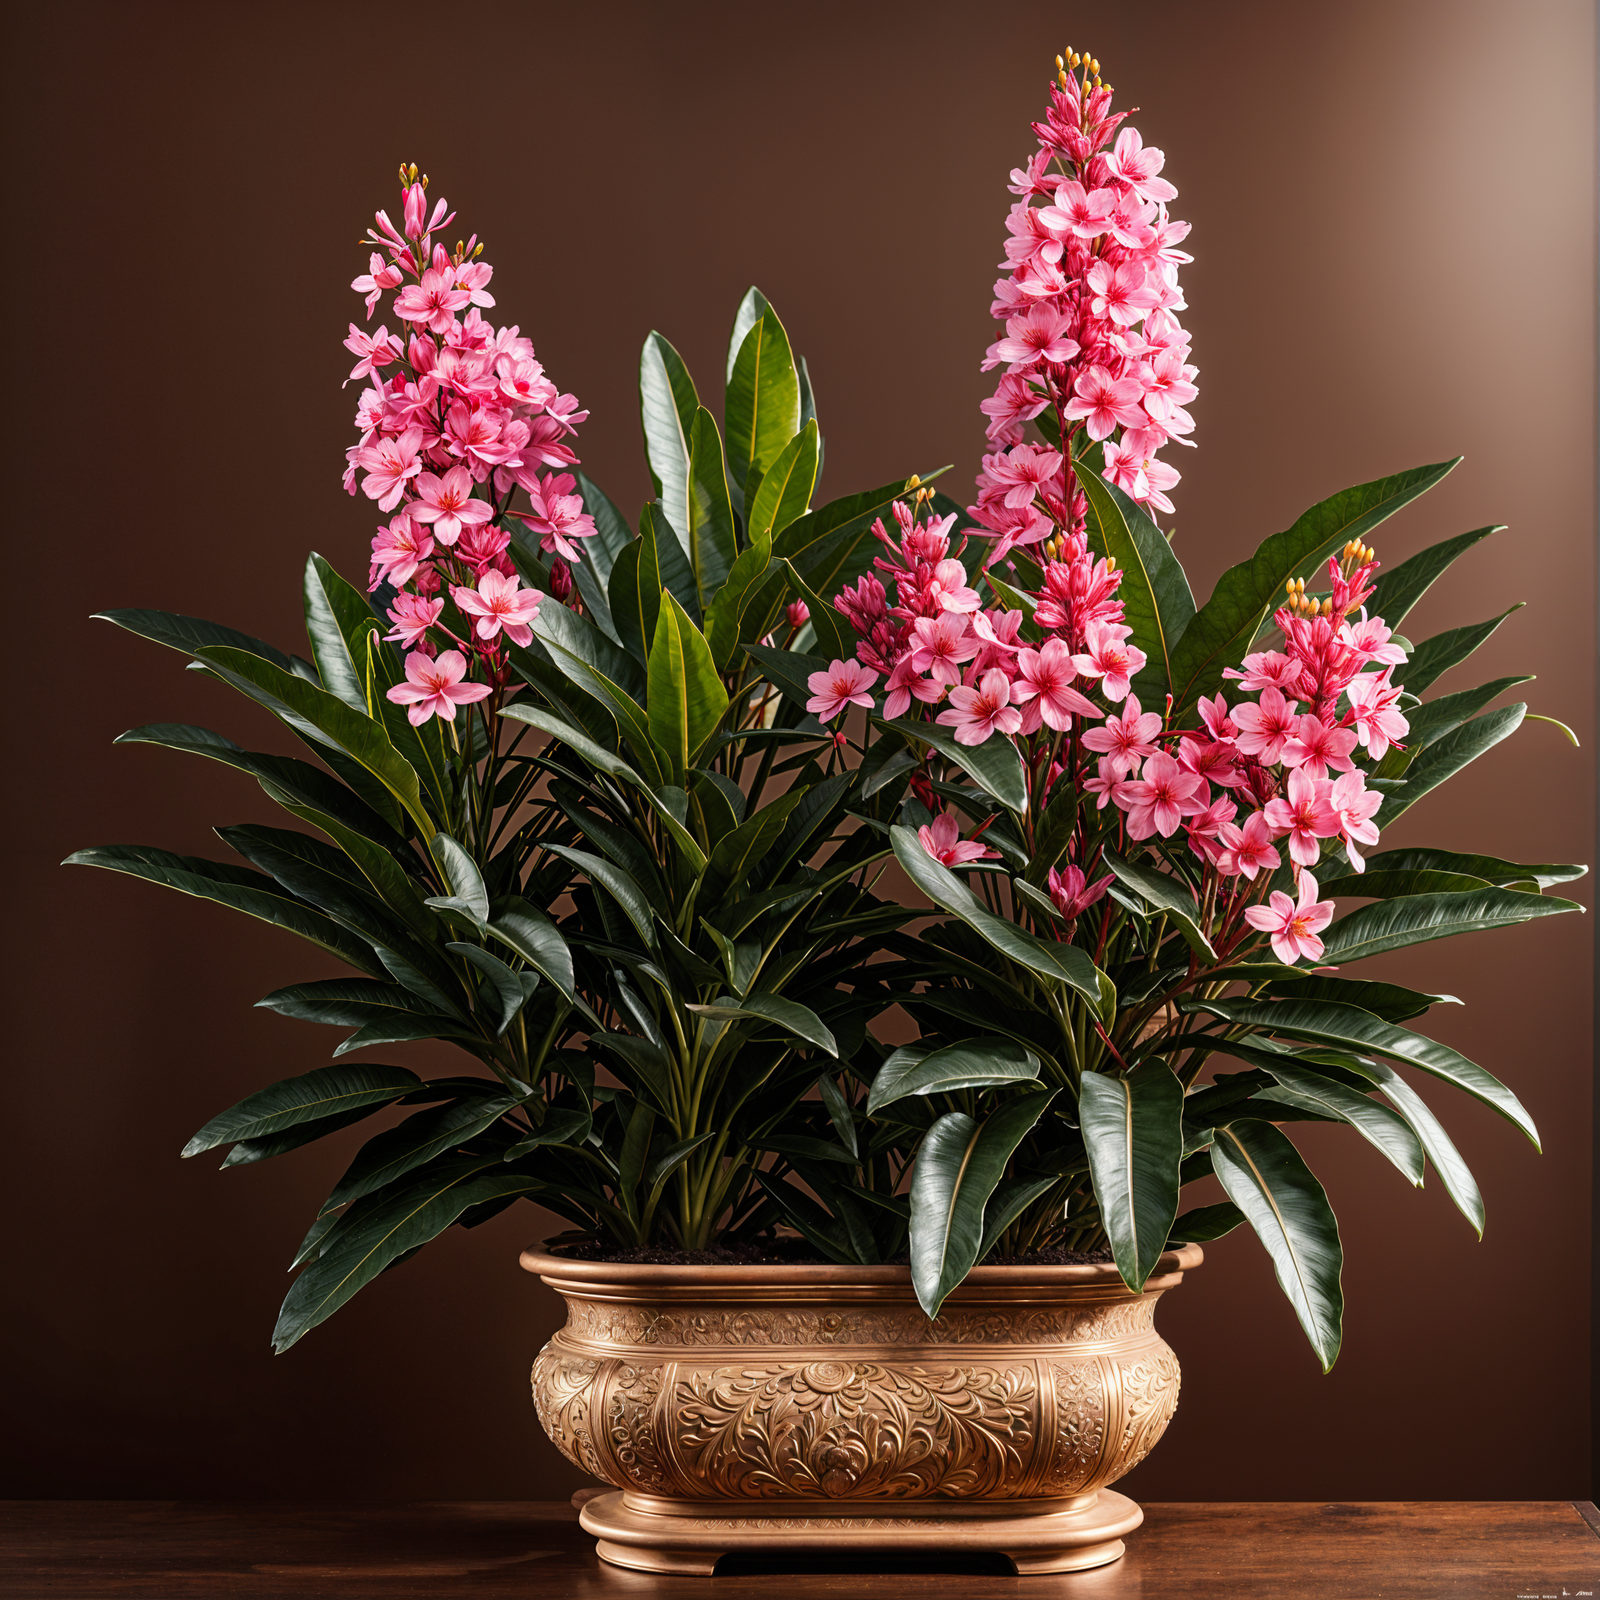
1394 240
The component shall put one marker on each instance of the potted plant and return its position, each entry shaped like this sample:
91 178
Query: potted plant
609 809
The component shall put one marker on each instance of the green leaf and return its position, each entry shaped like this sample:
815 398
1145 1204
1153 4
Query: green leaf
735 857
1063 963
751 309
1205 1223
834 639
1012 1196
1415 919
1490 868
687 697
785 492
1436 656
1266 1178
985 1063
1247 594
344 1002
1154 591
1327 1022
598 757
995 765
1165 893
612 536
839 1112
337 616
248 1151
833 545
763 398
324 1092
666 561
534 937
192 634
560 1126
667 407
712 544
378 1230
253 893
1446 757
417 1140
1382 1128
789 1015
1371 885
787 670
617 883
1387 1000
958 1165
1431 721
739 597
461 873
512 989
1133 1131
673 1157
1397 589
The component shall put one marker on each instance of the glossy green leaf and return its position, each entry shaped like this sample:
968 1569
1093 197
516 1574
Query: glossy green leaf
995 765
1328 1022
725 616
1133 1131
1414 919
1382 1128
513 989
785 492
324 1092
249 1151
1431 721
985 1063
560 1126
1165 893
787 670
687 697
1387 1000
338 619
528 931
1247 594
192 634
1205 1223
833 545
1011 1197
598 757
763 398
612 536
1062 963
741 852
1436 656
461 873
1266 1178
1371 885
667 407
1398 588
839 1112
712 544
610 877
1490 868
834 637
789 1015
1446 757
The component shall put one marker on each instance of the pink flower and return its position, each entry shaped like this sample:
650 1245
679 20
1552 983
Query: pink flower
1022 472
904 682
1105 781
399 549
1267 669
1071 894
1137 167
1127 465
372 352
1214 713
1354 805
797 614
1123 292
948 588
1369 638
942 840
1012 404
1038 336
845 683
1247 850
1264 728
1107 402
1078 212
412 616
558 515
940 644
389 464
977 713
1294 926
432 302
1378 723
448 504
1125 740
1044 677
1315 746
375 280
434 687
1161 798
483 546
500 603
1107 658
1305 815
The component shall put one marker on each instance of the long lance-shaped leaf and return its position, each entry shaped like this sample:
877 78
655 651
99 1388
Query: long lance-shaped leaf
747 580
528 931
1167 894
1328 1022
632 899
785 492
1206 1223
1133 1131
383 1227
1415 919
598 757
338 619
1246 594
1383 1129
1154 592
612 536
1446 757
253 893
1435 718
995 765
1400 587
833 545
713 544
789 1015
751 309
1266 1178
1434 657
986 1063
762 410
357 734
687 698
325 1092
192 634
667 407
787 670
1492 869
1063 963
959 1163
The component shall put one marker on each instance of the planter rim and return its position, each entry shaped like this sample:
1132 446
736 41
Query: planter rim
712 1279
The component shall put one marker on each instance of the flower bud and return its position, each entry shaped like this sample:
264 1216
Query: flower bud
798 614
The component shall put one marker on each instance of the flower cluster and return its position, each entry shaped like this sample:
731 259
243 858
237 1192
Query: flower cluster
1089 310
457 417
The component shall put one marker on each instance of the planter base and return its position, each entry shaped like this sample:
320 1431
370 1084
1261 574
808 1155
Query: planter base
651 1534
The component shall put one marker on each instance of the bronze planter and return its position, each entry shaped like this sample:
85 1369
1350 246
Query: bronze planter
792 1407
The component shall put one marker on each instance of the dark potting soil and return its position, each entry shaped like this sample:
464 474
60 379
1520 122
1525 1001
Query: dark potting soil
794 1252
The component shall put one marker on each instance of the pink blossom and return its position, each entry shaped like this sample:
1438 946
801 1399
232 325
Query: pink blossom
1378 723
845 683
1371 640
1109 659
389 464
1354 805
940 644
1012 404
1304 814
412 617
448 504
433 301
399 549
1264 728
1077 211
1104 783
1126 465
1247 850
1039 335
483 546
1023 471
1123 292
1294 926
434 687
942 840
977 713
1132 164
1316 746
375 280
948 588
1106 402
1126 740
904 683
371 350
558 516
1214 713
797 614
499 603
1044 682
1267 669
1072 894
1160 798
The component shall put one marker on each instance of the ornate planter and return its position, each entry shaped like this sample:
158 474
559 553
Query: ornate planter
792 1407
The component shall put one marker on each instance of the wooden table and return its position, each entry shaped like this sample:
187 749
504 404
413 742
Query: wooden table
1444 1550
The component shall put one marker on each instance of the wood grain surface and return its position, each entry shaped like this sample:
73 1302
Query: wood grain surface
1455 1550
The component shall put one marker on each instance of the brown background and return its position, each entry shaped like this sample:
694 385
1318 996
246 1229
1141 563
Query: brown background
1394 237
